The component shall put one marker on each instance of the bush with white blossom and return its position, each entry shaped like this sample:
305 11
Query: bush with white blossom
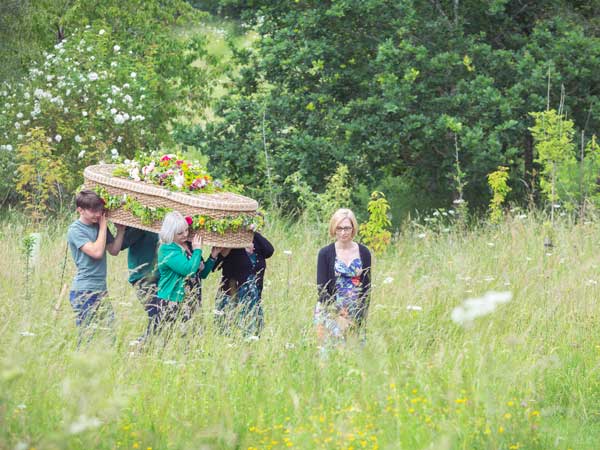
93 100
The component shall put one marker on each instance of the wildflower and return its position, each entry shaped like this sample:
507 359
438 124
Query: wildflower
92 76
133 75
101 32
414 308
388 280
77 138
477 307
84 423
421 235
119 119
116 48
58 138
27 334
84 113
287 252
114 152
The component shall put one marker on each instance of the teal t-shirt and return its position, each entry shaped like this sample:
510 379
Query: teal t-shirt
141 257
91 273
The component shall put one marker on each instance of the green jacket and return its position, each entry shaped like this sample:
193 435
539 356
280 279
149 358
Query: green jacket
174 267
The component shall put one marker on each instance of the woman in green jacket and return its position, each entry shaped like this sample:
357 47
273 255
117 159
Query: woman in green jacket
181 269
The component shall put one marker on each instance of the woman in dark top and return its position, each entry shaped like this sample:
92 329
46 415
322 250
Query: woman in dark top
343 282
239 297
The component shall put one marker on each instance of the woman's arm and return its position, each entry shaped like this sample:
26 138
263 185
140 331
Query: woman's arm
263 246
178 262
323 275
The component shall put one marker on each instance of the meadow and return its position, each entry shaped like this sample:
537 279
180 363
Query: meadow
523 377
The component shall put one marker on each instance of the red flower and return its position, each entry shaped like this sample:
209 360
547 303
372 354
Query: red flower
189 220
165 158
179 162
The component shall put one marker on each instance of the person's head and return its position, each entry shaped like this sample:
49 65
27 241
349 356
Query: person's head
174 229
89 206
343 225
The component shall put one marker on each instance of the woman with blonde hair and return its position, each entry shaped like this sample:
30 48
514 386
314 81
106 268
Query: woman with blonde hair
181 270
343 282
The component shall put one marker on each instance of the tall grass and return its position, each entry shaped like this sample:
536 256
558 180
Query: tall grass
525 376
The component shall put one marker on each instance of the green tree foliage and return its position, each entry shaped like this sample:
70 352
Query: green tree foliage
498 182
371 83
553 137
376 232
40 174
118 84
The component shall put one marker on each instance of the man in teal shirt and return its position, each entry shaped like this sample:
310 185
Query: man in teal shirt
143 276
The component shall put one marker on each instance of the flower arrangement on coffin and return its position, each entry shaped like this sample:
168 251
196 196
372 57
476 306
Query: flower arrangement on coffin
142 191
172 172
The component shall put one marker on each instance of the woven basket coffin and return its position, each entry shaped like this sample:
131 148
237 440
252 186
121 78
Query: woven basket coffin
217 206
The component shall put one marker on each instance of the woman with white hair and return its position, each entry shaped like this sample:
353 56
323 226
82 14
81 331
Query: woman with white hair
343 282
181 269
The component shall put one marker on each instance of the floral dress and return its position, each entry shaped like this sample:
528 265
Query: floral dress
341 314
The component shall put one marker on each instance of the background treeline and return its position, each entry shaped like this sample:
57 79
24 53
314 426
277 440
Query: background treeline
421 100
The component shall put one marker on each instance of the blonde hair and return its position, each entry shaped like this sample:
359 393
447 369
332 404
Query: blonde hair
172 224
338 216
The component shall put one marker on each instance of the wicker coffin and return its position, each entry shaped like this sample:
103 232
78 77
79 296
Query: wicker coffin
218 205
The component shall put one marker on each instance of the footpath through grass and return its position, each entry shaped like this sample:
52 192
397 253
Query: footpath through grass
525 376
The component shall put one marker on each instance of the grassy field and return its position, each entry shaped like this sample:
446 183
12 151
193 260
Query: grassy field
525 376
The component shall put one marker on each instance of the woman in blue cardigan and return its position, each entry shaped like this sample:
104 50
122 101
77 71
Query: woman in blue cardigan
343 282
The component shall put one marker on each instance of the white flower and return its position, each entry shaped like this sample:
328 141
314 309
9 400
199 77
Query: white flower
101 32
414 308
113 64
58 138
78 138
133 74
477 307
81 154
287 252
178 180
17 125
119 119
9 147
491 244
84 113
388 280
113 111
114 152
92 76
84 423
148 169
134 173
116 48
421 235
26 334
128 98
120 139
19 115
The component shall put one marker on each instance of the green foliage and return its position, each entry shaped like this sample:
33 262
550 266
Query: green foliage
320 206
498 182
39 174
375 233
553 137
370 84
115 85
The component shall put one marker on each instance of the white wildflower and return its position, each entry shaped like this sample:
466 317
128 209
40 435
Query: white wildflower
92 76
81 154
84 423
287 252
58 138
27 333
116 48
19 115
133 74
101 32
78 138
84 113
119 119
388 280
473 308
421 235
414 308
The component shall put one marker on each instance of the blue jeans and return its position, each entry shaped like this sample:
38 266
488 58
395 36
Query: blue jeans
91 310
